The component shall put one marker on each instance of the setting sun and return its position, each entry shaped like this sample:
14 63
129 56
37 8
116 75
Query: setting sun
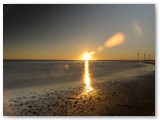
86 56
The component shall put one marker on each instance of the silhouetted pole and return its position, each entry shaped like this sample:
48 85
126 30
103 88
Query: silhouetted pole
138 56
144 56
149 57
138 60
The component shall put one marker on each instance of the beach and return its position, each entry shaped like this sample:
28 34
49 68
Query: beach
79 59
125 95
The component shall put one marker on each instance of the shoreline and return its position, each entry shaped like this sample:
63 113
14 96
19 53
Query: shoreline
134 96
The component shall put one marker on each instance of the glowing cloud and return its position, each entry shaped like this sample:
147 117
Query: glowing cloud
115 40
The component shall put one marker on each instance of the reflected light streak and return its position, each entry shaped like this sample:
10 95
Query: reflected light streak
87 80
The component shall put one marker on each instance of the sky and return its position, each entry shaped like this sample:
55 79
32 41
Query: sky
65 32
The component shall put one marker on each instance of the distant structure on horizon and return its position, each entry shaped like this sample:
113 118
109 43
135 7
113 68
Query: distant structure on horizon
149 57
138 57
144 56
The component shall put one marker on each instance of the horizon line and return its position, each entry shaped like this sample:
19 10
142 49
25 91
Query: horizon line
74 60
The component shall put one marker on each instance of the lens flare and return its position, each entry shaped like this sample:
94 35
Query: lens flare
100 48
92 53
137 28
115 40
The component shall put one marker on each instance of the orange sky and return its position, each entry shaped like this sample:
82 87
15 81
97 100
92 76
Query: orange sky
113 32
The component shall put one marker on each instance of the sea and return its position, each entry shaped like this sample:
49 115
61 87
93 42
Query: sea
34 75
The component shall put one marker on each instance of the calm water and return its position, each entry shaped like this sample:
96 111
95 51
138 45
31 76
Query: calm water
24 74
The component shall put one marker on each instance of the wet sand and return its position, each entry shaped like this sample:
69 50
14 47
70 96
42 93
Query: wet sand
134 96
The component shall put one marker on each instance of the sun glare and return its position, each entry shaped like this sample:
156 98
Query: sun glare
87 79
86 56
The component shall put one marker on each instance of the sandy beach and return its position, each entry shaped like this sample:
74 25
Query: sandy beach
133 96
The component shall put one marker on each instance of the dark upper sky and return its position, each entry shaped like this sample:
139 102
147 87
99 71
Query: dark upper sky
66 31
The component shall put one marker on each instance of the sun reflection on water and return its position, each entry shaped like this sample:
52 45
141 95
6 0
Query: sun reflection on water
87 80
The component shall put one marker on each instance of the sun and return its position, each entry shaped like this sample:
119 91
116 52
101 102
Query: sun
86 56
